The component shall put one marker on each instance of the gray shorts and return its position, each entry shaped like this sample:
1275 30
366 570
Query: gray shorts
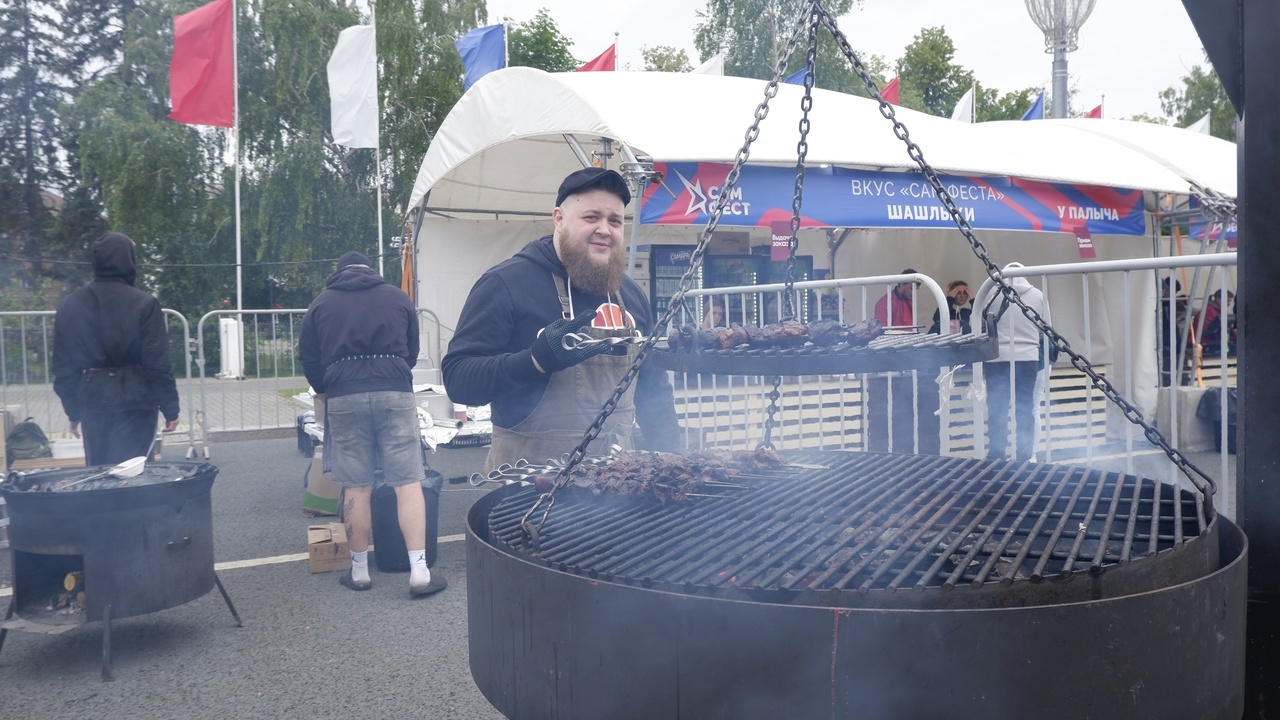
372 430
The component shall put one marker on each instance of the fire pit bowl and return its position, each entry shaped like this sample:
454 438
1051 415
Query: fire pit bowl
88 545
564 632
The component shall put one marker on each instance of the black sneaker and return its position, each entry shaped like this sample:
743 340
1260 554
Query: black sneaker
348 581
437 584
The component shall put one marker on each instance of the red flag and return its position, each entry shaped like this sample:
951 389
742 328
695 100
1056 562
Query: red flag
606 61
1094 113
202 88
890 92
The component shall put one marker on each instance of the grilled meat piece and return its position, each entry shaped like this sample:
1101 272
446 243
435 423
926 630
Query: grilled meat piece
789 333
827 333
731 337
664 477
681 338
707 338
864 331
756 337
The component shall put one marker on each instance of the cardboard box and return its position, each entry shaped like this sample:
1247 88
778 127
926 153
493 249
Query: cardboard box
729 243
322 492
327 548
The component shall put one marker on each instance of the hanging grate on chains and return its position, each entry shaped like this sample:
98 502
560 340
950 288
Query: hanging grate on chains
883 530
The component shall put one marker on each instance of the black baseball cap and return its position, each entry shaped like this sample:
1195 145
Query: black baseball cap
593 178
352 258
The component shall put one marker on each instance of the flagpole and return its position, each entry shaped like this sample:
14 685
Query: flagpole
235 136
377 150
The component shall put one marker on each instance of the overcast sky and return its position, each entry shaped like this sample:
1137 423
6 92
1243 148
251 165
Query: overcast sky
1130 50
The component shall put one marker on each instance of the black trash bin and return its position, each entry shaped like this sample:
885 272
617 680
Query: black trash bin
390 553
1210 408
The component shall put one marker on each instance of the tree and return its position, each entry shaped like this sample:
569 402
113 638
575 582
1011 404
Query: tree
664 58
421 81
1201 92
30 93
991 104
753 34
928 79
156 178
539 43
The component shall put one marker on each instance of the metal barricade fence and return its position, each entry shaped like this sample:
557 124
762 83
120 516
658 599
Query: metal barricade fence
26 368
249 371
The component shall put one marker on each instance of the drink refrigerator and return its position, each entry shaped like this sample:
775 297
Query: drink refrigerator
667 264
775 271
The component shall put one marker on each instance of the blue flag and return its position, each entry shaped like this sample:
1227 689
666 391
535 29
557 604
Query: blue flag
796 78
483 50
1036 111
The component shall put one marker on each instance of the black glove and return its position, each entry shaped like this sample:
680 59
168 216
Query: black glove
549 350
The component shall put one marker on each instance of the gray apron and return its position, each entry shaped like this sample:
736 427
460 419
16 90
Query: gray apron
572 401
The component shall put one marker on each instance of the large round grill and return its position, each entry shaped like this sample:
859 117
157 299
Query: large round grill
883 530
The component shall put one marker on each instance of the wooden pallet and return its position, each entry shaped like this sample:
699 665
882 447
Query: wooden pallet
45 464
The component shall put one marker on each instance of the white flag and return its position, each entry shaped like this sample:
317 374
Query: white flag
714 66
964 108
353 88
1201 126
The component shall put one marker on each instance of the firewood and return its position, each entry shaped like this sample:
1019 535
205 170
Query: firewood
73 581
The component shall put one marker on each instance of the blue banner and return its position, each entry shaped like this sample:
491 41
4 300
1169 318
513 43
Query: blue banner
838 197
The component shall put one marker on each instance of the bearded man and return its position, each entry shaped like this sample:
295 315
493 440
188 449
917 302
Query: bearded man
509 349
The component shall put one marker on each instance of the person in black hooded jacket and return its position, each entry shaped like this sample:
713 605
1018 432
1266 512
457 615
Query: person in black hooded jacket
509 347
358 345
111 359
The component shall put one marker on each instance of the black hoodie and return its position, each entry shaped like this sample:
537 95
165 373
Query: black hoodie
489 362
359 335
110 324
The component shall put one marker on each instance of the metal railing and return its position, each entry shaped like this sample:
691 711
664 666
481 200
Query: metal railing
26 368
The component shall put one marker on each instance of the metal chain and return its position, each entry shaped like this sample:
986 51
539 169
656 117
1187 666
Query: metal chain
788 310
1203 482
686 282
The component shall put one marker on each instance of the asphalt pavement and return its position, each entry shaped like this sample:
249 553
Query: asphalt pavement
309 648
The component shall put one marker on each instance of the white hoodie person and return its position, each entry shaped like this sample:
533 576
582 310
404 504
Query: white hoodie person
1013 373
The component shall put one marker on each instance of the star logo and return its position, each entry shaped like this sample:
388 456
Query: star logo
698 201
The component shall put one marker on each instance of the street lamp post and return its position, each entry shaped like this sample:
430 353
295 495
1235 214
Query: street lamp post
1060 21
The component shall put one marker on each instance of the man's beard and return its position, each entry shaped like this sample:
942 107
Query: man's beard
589 273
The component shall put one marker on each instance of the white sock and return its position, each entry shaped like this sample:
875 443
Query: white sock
419 573
360 566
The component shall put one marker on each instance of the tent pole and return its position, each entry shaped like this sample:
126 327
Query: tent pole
635 226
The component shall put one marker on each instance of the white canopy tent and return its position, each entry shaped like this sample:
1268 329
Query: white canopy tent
488 181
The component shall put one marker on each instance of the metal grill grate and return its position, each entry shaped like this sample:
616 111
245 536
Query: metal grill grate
886 353
861 527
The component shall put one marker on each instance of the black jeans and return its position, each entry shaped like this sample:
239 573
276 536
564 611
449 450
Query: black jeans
996 374
111 438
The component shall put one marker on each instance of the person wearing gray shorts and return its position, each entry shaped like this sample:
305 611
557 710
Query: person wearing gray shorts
358 344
